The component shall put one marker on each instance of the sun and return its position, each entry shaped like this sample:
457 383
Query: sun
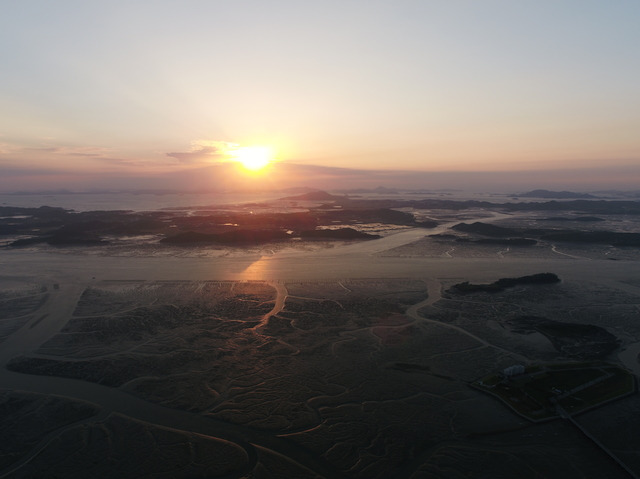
253 158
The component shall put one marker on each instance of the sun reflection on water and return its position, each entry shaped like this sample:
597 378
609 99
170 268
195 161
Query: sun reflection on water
255 271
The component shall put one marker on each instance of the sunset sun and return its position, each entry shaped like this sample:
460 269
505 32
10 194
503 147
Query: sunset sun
253 158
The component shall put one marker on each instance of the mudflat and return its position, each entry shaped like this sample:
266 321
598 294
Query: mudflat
349 360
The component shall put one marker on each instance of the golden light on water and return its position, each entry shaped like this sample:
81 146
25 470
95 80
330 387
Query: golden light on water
255 271
252 158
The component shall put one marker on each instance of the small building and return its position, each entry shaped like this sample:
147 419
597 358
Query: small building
514 370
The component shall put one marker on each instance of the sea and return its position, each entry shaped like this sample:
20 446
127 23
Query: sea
133 201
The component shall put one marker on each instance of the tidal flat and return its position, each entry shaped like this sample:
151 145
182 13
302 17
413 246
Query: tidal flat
347 378
350 359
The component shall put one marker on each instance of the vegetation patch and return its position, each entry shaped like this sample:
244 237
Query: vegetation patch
504 283
542 392
581 341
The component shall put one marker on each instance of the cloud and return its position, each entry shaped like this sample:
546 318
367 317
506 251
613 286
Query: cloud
13 171
125 162
46 151
41 159
42 149
204 152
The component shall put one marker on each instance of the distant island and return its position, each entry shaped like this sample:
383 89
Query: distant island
61 227
556 195
530 236
317 195
504 283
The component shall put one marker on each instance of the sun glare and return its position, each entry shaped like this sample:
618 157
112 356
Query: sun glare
253 158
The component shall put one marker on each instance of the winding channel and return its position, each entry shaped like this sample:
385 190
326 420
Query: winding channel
60 306
434 294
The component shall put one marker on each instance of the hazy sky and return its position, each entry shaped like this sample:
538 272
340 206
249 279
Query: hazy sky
119 87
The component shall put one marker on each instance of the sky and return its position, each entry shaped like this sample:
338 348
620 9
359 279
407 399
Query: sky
157 93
